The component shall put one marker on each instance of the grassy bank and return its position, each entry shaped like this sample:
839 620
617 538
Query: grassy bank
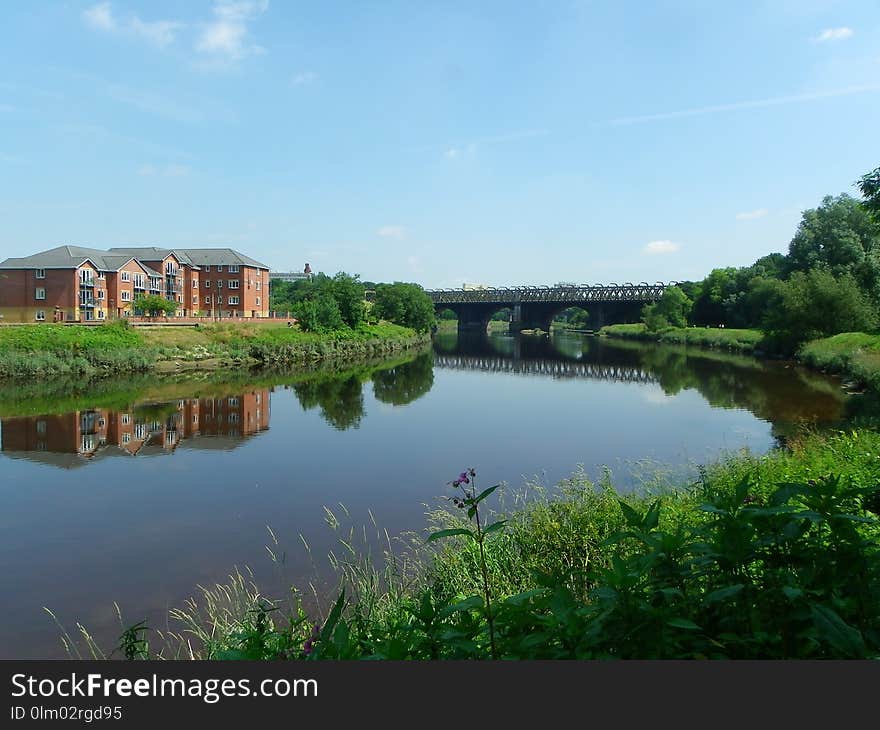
854 355
734 340
763 557
43 351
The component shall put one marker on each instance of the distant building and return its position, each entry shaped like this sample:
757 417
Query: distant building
75 284
474 287
292 275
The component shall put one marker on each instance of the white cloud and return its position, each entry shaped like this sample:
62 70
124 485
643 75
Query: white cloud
159 32
835 34
227 36
741 105
100 17
303 78
451 153
655 248
391 232
752 214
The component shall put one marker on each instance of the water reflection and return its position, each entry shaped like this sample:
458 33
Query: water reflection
70 440
784 394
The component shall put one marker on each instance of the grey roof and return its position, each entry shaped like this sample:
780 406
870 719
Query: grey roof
194 256
70 257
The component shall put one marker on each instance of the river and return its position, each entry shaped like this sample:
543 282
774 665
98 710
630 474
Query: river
136 491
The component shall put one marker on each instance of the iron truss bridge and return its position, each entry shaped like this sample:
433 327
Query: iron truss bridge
577 293
551 368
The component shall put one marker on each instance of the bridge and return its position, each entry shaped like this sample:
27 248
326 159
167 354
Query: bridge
535 307
547 367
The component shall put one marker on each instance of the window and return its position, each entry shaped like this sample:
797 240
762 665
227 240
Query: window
232 402
86 277
219 283
233 300
208 284
100 293
233 283
126 276
125 296
139 281
41 427
257 301
40 293
41 316
169 268
100 274
126 438
258 284
219 268
195 283
233 269
125 419
40 273
219 299
207 300
100 314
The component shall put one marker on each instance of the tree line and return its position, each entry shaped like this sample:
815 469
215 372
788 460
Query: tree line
828 282
325 303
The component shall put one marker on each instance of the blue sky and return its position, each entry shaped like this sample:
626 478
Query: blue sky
438 142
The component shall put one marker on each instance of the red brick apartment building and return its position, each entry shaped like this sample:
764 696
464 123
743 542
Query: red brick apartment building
76 284
73 439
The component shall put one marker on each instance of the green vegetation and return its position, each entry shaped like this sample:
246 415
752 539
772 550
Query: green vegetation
734 340
404 304
572 318
852 354
670 311
50 350
762 557
29 351
827 283
153 305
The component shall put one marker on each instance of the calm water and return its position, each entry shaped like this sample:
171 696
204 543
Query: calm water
136 493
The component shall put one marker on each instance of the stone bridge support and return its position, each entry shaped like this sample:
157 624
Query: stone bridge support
539 315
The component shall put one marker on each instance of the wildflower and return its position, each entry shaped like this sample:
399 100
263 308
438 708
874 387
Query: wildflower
310 642
463 477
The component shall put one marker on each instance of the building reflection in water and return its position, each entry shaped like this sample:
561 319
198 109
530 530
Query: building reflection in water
77 438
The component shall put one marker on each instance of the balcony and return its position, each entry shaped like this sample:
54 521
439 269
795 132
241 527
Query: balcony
87 283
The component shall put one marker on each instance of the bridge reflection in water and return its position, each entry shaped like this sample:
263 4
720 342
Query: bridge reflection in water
785 396
551 368
557 357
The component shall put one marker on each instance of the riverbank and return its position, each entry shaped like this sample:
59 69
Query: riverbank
733 340
51 351
763 557
854 356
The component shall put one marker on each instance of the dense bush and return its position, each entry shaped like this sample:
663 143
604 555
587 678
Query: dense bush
818 304
404 304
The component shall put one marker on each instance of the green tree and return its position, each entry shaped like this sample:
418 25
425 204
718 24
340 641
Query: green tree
153 305
348 292
404 304
840 236
869 187
320 314
818 304
671 310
